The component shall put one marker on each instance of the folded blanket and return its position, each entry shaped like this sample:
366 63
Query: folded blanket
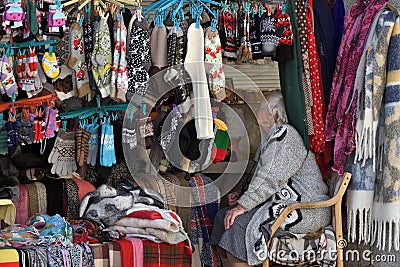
162 224
167 237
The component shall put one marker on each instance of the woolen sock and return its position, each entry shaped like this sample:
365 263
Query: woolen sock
116 59
103 58
122 76
76 60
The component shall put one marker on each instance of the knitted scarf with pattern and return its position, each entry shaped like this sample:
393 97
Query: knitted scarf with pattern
202 216
373 197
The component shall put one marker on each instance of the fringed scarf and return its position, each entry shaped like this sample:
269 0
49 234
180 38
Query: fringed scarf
202 216
373 198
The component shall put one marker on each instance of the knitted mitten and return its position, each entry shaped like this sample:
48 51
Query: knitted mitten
25 132
50 65
50 122
63 154
129 138
12 136
88 39
7 77
76 60
93 129
122 76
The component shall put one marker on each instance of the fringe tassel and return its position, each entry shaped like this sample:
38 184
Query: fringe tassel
359 219
392 235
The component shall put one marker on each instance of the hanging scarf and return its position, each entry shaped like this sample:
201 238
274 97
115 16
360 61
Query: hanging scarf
340 118
202 217
371 198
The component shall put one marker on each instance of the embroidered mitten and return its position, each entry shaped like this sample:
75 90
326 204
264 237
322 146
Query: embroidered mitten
93 129
65 163
50 122
25 133
50 65
7 77
76 60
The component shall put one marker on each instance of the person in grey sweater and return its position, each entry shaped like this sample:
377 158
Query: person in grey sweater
287 172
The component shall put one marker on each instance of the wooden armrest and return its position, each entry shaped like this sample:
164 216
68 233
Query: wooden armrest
312 205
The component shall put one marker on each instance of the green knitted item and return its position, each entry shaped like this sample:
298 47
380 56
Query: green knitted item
221 144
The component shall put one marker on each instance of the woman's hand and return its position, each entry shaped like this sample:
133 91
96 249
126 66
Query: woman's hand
232 198
231 214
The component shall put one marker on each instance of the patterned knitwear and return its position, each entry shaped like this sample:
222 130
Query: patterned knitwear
138 55
22 205
33 201
317 142
71 188
42 197
340 118
228 32
256 48
213 55
268 34
84 187
284 51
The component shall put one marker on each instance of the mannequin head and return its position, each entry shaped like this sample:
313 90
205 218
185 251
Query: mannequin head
272 111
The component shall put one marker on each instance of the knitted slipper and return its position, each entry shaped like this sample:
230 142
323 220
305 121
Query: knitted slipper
7 76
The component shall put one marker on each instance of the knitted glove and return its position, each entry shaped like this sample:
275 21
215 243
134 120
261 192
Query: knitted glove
25 133
82 138
12 136
107 150
63 154
93 129
51 124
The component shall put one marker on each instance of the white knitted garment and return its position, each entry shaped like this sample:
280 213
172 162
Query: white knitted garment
194 65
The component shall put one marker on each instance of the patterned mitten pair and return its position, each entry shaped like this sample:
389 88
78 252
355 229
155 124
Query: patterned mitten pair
139 50
102 58
119 79
82 146
76 60
27 71
8 84
107 150
93 148
63 154
12 136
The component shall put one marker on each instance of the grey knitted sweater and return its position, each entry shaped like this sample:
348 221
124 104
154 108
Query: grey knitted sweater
287 173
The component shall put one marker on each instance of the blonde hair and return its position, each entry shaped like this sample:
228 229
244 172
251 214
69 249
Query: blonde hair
277 106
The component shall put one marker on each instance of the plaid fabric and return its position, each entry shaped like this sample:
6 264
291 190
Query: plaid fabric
290 251
165 255
114 253
101 255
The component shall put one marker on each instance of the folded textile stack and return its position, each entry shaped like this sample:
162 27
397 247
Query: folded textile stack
152 223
